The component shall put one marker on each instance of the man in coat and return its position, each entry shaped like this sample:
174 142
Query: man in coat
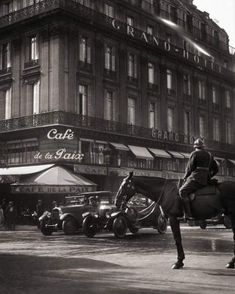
200 169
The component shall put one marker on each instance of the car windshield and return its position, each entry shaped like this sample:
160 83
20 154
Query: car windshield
105 198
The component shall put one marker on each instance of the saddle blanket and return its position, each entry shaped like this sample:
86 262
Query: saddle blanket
206 202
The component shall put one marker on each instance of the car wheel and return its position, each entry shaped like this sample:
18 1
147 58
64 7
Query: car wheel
119 227
203 225
69 226
45 231
134 230
227 222
161 224
89 226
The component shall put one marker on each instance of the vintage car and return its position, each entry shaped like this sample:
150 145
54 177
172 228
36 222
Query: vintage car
139 213
220 219
69 217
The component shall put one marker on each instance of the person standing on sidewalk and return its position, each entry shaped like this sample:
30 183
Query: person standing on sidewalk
2 218
11 215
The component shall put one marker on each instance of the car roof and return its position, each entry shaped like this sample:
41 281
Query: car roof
91 194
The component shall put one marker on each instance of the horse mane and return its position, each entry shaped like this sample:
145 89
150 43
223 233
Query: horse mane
151 185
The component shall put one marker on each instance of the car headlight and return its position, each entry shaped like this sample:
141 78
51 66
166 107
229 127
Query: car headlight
108 214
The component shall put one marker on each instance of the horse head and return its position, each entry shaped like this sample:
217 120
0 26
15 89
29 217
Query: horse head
125 191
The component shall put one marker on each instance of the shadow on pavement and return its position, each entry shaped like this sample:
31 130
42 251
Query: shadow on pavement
21 274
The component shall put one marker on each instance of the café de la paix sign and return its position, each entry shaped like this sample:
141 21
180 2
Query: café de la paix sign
62 153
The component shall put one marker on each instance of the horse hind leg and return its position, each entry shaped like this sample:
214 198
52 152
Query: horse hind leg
231 263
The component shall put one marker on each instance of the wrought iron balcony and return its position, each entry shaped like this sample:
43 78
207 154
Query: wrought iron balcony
101 125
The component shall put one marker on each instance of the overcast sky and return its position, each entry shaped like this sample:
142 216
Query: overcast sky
222 11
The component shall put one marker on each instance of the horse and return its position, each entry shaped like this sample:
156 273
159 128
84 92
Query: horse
165 193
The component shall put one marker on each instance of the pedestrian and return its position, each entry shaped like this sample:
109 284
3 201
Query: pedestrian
39 208
200 169
11 215
2 218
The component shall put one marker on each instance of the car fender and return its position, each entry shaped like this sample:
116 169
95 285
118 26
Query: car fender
65 215
117 214
88 213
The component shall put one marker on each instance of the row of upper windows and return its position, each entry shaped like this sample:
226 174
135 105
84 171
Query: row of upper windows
111 110
166 11
110 60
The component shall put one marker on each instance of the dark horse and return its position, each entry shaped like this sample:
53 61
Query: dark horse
165 193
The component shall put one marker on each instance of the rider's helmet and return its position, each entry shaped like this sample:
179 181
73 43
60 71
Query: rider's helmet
198 143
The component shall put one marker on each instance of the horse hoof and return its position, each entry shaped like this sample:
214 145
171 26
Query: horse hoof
177 265
230 265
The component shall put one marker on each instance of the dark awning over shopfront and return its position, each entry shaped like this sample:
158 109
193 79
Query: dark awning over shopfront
140 152
160 153
54 181
119 146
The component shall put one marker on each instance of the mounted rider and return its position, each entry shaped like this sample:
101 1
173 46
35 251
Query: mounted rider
200 169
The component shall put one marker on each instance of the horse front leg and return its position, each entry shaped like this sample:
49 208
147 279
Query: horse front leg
231 263
175 227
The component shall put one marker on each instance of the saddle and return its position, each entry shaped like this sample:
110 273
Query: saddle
206 202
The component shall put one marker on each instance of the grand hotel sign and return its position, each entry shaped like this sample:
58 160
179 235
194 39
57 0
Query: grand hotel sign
156 42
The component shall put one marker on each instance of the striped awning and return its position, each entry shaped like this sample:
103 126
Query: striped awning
119 146
140 152
176 154
159 153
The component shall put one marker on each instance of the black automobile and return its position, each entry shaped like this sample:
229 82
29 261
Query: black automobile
220 219
69 217
139 213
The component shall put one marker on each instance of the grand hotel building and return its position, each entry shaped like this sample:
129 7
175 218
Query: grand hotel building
104 87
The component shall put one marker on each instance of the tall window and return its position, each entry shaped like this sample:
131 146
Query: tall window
34 52
130 21
149 30
201 90
202 126
109 10
186 84
132 65
84 50
36 97
169 79
152 115
85 2
151 79
228 132
82 100
187 123
227 99
131 110
110 63
8 103
216 129
214 95
170 119
5 56
109 106
6 8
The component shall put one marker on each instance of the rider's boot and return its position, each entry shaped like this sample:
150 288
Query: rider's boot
187 209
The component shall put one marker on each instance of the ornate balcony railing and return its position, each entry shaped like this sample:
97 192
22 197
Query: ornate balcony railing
101 125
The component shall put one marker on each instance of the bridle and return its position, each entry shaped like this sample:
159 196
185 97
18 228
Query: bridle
131 186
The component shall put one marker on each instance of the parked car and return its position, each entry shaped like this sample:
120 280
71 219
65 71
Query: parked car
217 220
69 217
139 213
